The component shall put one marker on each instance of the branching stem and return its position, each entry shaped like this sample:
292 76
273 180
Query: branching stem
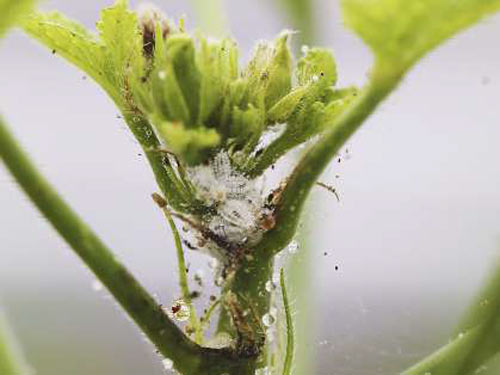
188 357
182 269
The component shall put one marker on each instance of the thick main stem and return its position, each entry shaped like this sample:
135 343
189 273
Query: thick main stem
188 357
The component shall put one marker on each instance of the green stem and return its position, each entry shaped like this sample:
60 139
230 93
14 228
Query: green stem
254 272
447 360
481 327
11 360
183 280
290 339
208 314
188 357
318 157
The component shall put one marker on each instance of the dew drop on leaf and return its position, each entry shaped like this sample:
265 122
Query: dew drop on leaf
167 364
268 320
97 286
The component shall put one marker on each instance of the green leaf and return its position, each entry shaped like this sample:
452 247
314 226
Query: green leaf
10 12
107 57
69 39
193 145
401 31
119 32
317 64
181 57
269 73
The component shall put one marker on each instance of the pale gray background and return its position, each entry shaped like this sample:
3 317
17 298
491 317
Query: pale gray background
414 236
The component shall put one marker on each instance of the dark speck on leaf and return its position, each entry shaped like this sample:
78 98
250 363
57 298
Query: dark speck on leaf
325 253
54 51
336 268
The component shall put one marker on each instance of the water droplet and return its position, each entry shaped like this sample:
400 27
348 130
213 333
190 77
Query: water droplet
273 311
167 364
213 263
262 371
268 320
315 78
460 335
293 247
304 49
178 311
97 285
162 75
270 286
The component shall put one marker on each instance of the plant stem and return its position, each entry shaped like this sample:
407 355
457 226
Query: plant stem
444 360
183 281
480 327
290 339
313 163
11 360
188 357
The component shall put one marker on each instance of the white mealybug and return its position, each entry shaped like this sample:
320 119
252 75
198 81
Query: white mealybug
237 200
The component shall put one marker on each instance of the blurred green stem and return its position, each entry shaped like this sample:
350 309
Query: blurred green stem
477 337
211 16
302 18
11 359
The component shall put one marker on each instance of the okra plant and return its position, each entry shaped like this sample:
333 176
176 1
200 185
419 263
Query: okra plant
211 129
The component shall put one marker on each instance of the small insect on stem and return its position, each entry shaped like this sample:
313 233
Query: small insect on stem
330 188
159 200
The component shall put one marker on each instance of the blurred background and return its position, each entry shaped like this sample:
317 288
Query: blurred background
413 237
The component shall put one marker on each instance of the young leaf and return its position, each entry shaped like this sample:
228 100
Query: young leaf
72 41
10 11
401 31
193 145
